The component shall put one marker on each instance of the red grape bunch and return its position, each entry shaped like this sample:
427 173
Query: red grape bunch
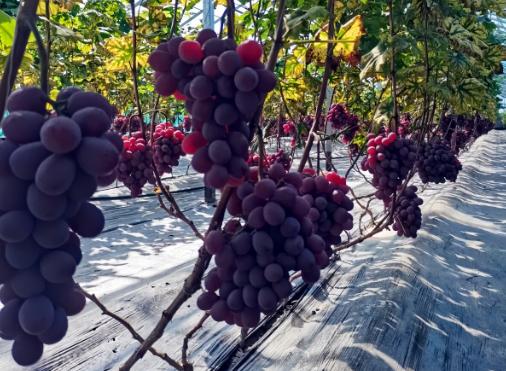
254 158
330 206
168 147
123 123
253 267
405 121
408 216
389 160
280 158
437 162
136 166
49 169
340 118
289 128
222 84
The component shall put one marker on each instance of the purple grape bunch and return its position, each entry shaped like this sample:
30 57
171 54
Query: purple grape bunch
222 85
408 216
50 166
253 266
389 160
330 208
437 162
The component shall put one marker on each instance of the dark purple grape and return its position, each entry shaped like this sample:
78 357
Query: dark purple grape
82 100
61 134
266 80
28 283
226 87
27 349
16 226
282 288
180 69
36 315
257 277
229 63
205 35
51 234
27 99
57 267
214 47
12 193
58 328
267 298
294 246
226 114
235 301
214 242
247 102
201 88
88 222
9 319
265 189
305 260
43 206
206 300
242 243
256 218
66 93
225 258
23 254
25 160
97 156
220 152
217 177
246 79
210 67
250 296
92 121
262 243
22 127
56 173
274 214
202 109
273 272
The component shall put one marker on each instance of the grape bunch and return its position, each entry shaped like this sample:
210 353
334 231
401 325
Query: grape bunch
187 124
254 159
136 164
340 118
389 160
253 266
330 206
49 169
408 216
405 121
280 158
289 128
168 147
222 85
120 124
437 163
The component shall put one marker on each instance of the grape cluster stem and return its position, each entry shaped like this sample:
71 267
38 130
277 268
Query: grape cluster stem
27 10
186 364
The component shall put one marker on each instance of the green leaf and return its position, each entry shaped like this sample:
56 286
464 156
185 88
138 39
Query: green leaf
7 27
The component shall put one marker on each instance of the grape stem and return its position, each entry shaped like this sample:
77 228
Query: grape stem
27 10
44 63
365 208
174 210
186 364
128 326
190 286
323 89
174 20
231 19
133 68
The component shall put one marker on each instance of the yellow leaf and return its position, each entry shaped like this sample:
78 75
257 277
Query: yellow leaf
53 8
293 68
339 9
120 46
157 190
219 2
348 35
